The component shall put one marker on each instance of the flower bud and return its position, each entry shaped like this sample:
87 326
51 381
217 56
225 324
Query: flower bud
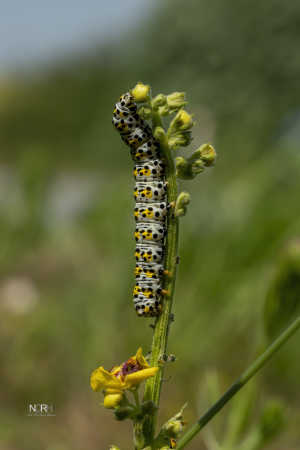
163 110
174 426
176 100
183 169
179 139
182 201
141 92
112 400
144 112
182 122
159 100
113 447
159 134
123 413
207 154
197 167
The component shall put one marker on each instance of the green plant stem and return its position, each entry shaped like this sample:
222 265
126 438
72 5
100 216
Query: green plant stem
161 330
239 383
136 398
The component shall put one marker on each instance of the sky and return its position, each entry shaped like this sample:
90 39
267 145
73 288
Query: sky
36 31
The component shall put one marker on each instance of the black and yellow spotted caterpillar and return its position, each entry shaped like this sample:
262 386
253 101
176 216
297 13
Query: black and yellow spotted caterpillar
151 207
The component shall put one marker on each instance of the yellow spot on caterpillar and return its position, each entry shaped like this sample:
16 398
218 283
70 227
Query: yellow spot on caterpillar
149 213
147 193
147 234
148 257
145 172
136 290
147 293
137 271
149 274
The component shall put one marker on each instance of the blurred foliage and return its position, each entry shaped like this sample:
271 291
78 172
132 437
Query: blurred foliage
283 298
66 204
242 427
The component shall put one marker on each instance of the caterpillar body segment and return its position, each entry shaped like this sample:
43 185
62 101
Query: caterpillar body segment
150 212
149 253
148 271
147 151
151 191
149 170
149 232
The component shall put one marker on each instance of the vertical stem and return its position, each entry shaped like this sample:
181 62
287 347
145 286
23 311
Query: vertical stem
161 331
136 397
138 435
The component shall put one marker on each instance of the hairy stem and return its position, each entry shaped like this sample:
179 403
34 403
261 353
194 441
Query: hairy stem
161 330
239 383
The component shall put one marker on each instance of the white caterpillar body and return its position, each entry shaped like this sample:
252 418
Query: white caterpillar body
151 207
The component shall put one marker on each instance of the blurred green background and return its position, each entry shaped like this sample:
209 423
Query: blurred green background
66 223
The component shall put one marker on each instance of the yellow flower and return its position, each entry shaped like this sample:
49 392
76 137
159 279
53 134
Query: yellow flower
126 376
141 92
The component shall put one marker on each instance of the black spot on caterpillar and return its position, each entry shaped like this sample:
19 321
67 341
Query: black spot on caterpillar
151 207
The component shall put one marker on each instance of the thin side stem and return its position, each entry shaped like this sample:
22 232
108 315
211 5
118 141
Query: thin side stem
239 383
161 331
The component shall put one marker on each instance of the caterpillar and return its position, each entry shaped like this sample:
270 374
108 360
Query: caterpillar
150 212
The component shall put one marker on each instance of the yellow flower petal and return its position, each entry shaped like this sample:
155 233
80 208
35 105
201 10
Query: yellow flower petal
140 358
102 379
113 391
115 370
112 400
133 379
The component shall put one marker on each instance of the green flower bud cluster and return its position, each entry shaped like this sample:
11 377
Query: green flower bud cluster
168 104
203 157
170 431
